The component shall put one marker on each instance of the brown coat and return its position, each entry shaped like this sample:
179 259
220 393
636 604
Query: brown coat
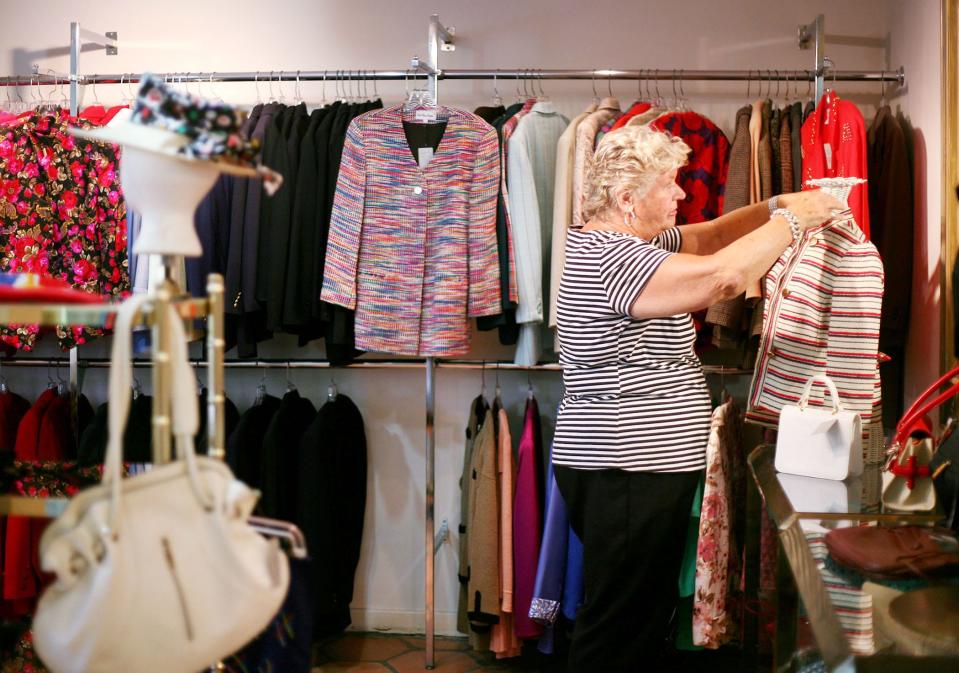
727 315
891 229
786 152
483 589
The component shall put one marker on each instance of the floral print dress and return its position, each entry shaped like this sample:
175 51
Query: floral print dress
62 214
717 604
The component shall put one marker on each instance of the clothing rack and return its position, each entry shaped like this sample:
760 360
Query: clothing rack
440 38
482 365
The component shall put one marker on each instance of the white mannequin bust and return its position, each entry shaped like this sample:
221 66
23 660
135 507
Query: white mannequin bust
166 192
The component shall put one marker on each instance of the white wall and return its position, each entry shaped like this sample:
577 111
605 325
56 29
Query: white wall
916 45
248 35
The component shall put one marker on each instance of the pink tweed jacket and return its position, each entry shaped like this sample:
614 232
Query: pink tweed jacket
413 251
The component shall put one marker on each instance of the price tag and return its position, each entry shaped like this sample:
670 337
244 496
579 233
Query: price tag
425 155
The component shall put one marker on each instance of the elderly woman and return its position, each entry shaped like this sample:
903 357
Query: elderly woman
633 425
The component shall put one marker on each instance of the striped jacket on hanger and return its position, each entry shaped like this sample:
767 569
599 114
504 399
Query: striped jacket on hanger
824 302
413 250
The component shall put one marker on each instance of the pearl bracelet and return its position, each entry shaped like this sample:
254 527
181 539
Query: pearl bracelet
773 205
793 221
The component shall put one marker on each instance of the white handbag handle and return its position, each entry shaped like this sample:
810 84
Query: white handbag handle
183 397
821 378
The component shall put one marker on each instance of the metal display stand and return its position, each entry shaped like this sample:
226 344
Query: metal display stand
798 576
440 39
102 315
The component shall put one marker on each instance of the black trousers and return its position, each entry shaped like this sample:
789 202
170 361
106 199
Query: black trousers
633 527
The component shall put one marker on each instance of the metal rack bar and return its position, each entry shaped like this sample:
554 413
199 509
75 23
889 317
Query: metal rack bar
91 315
215 344
652 74
78 36
490 365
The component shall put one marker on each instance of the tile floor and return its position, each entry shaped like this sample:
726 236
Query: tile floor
387 653
380 653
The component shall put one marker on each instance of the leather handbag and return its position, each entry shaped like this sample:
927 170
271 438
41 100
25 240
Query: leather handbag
819 442
161 572
891 553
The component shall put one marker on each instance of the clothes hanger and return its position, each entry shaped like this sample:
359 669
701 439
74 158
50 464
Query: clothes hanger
137 388
256 85
675 95
290 386
62 383
543 96
332 390
483 379
260 388
497 99
595 95
530 394
3 382
882 97
213 90
200 386
269 82
284 530
498 391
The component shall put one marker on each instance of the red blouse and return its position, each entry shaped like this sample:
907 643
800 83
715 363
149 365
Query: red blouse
834 146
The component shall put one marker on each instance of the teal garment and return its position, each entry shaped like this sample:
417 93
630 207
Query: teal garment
687 573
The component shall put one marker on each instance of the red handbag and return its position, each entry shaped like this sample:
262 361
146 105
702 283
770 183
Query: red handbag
912 448
916 419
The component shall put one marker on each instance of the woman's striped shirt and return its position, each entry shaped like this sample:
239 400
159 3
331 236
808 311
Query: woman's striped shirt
636 397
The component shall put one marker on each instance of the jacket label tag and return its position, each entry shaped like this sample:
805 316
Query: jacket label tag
827 148
424 116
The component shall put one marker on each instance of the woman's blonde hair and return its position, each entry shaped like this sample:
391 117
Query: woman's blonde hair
629 159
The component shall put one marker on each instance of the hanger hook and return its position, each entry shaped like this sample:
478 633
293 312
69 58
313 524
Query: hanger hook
609 82
882 97
595 95
675 97
658 95
682 87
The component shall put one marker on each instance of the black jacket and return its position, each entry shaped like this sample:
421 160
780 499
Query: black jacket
280 449
244 446
331 505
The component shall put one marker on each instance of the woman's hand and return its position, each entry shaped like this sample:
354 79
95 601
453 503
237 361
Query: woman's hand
811 207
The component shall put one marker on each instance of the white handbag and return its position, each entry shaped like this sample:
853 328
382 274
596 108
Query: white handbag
819 442
158 573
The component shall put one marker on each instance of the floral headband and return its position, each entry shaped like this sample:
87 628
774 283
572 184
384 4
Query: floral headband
213 128
201 130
